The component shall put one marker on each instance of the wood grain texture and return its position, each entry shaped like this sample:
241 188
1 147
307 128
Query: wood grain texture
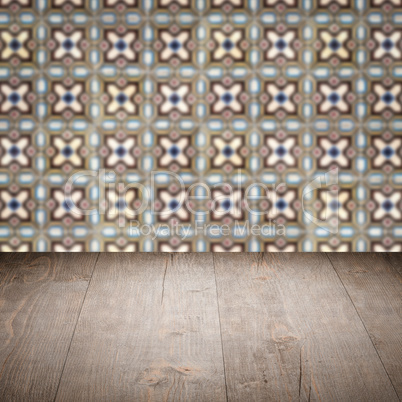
375 289
149 330
291 333
40 299
395 259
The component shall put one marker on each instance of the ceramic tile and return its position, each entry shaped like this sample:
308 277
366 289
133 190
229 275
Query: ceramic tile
229 125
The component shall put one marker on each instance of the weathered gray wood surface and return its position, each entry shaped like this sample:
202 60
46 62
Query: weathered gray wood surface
375 289
149 330
207 327
41 296
290 332
395 259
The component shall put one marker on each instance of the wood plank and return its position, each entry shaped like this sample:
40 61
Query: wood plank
40 299
395 259
149 330
376 291
290 332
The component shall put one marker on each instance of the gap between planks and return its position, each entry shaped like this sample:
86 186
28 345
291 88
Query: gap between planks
220 329
364 325
75 326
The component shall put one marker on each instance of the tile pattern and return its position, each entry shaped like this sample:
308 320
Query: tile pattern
233 91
